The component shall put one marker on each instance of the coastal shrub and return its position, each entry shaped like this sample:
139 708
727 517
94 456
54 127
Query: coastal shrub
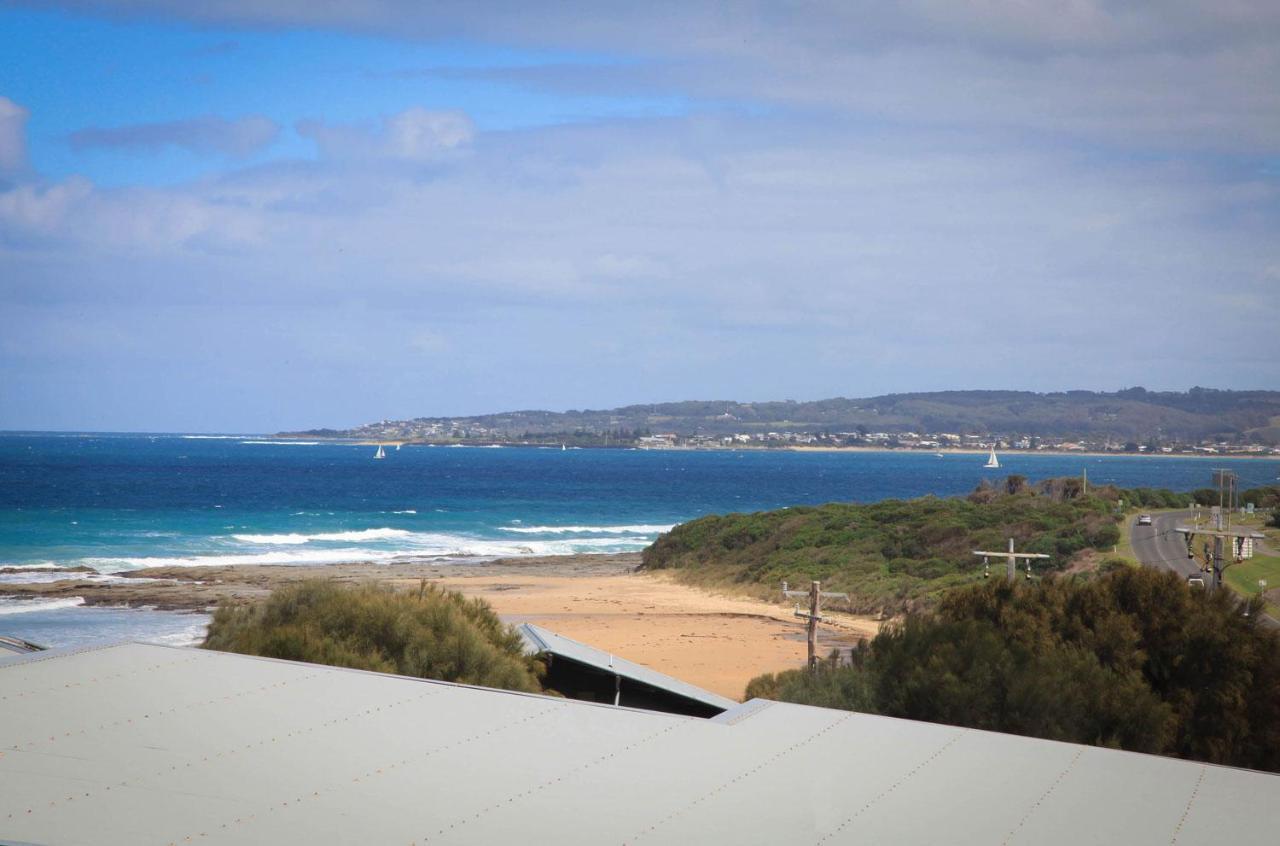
893 555
1130 658
1267 496
430 633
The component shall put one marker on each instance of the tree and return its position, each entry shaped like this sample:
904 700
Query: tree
1132 659
429 633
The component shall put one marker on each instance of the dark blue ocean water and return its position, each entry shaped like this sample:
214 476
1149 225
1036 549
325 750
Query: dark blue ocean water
121 502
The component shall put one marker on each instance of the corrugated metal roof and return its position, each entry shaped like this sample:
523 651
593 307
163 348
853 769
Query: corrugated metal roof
138 744
540 640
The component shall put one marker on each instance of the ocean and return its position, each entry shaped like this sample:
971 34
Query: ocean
123 502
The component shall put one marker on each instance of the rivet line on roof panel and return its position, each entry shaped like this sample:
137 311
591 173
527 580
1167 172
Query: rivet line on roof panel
164 771
22 747
410 759
1043 796
741 777
95 679
760 705
883 793
1195 791
558 779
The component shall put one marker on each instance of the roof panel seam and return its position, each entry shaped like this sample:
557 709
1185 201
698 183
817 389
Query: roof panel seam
901 780
740 777
1195 791
558 779
384 769
181 707
164 772
1043 796
121 674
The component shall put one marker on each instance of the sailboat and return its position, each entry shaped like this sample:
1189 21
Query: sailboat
992 462
380 453
563 447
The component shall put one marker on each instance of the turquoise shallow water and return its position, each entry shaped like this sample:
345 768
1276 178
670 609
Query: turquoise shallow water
121 502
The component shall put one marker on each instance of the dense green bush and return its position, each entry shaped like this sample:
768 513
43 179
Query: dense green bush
1267 496
892 555
430 633
1156 498
1133 659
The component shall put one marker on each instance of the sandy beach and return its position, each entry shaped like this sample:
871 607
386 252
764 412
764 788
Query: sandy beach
712 640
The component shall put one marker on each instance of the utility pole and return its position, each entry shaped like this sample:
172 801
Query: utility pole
1215 556
1011 559
816 594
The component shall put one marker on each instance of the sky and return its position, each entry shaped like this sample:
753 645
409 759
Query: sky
257 216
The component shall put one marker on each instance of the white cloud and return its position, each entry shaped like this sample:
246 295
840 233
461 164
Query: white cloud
921 198
210 134
414 135
13 139
1185 73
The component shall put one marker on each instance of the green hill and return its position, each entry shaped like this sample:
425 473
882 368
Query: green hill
1135 414
894 555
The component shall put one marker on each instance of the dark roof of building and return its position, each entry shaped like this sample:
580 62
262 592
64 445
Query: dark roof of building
543 641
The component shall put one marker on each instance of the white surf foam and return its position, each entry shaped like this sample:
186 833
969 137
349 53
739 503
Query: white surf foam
293 538
415 547
317 556
638 529
43 576
282 443
27 606
406 511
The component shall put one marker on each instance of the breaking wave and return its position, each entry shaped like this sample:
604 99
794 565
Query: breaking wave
27 606
293 538
414 547
640 529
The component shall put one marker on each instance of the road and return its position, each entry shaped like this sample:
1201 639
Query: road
1159 545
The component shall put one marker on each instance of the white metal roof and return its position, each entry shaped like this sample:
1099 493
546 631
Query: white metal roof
540 640
136 744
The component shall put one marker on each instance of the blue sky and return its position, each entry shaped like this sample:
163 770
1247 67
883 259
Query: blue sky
267 215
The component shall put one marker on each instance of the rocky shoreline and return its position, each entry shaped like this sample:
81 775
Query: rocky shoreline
204 588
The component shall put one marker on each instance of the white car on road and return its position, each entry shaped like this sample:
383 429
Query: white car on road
1144 520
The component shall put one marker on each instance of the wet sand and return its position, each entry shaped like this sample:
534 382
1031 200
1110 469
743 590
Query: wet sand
715 641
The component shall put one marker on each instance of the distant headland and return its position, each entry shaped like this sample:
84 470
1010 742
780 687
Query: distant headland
1201 421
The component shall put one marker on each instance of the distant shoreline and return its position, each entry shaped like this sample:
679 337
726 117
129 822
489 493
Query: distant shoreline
791 448
1023 452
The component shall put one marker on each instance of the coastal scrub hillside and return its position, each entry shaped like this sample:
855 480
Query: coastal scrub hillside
1133 659
896 555
430 633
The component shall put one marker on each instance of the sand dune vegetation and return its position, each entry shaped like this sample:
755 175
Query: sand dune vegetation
428 632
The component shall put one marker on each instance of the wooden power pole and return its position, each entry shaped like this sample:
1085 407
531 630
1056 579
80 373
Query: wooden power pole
1011 558
816 594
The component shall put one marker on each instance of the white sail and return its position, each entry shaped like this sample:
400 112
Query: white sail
992 462
380 453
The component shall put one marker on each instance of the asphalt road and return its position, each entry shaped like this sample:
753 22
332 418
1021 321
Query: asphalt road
1158 545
